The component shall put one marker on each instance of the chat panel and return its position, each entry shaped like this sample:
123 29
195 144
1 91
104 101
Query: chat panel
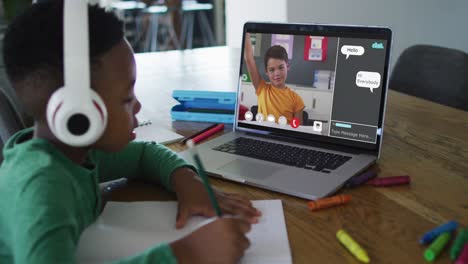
358 89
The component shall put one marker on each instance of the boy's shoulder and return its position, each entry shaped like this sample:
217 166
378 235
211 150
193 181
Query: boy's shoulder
34 174
26 158
267 86
262 87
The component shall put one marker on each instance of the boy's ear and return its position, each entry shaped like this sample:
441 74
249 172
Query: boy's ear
288 66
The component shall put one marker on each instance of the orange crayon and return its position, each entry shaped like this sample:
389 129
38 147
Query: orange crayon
329 202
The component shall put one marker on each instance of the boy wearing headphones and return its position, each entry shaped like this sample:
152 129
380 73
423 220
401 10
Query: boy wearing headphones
49 189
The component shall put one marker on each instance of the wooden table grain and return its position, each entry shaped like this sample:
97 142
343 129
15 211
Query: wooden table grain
427 141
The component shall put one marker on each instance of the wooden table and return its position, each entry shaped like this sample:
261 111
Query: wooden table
422 139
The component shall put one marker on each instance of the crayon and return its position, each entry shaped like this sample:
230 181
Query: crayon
390 181
198 133
114 185
463 258
352 246
462 239
360 179
436 247
208 133
329 202
429 236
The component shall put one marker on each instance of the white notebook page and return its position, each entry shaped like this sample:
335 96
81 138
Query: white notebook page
125 229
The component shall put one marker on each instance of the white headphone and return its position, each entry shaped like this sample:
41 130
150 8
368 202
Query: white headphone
76 114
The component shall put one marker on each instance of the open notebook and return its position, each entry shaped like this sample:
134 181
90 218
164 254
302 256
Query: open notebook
148 131
125 229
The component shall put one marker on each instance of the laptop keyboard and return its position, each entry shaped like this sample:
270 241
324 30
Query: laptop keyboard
284 154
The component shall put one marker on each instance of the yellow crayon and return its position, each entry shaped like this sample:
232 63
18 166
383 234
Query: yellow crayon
352 246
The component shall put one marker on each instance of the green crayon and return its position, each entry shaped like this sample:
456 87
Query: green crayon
457 246
436 247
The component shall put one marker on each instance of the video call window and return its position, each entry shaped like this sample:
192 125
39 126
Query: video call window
328 86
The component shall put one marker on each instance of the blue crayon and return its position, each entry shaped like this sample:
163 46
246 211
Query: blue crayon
360 179
429 236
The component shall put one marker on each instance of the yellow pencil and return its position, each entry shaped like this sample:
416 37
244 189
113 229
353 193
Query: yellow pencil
352 246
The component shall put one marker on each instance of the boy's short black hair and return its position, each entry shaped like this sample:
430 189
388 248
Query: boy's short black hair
33 49
275 52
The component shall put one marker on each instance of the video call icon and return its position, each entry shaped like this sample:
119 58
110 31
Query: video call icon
295 122
282 120
259 117
271 118
248 116
317 126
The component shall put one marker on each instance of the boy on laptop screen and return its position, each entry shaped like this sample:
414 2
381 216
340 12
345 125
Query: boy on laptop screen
321 78
275 99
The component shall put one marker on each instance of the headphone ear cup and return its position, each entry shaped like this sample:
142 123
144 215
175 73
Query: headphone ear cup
53 105
101 109
74 122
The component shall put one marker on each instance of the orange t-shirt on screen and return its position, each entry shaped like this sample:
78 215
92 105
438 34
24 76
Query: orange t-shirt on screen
278 101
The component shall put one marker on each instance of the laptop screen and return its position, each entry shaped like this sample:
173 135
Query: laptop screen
315 82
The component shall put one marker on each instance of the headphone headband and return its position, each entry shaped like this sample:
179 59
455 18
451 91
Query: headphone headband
76 49
76 114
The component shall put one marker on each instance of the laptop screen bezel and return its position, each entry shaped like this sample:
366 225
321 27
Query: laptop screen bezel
350 31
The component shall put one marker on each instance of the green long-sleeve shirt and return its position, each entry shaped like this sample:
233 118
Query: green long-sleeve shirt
46 200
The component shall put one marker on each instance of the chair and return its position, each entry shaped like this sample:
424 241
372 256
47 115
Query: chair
158 14
190 9
130 13
433 73
10 120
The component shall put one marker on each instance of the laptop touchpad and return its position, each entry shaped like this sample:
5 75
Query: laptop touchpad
248 169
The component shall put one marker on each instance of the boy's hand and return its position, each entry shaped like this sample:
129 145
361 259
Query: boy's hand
194 200
221 241
250 62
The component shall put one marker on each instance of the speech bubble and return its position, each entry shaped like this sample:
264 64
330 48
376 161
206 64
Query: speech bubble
352 50
367 79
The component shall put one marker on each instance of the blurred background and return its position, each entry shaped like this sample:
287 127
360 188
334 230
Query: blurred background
430 42
159 25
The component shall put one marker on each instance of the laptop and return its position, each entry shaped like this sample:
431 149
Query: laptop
324 126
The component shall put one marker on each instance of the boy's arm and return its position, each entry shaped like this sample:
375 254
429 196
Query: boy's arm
46 228
250 62
144 160
48 223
